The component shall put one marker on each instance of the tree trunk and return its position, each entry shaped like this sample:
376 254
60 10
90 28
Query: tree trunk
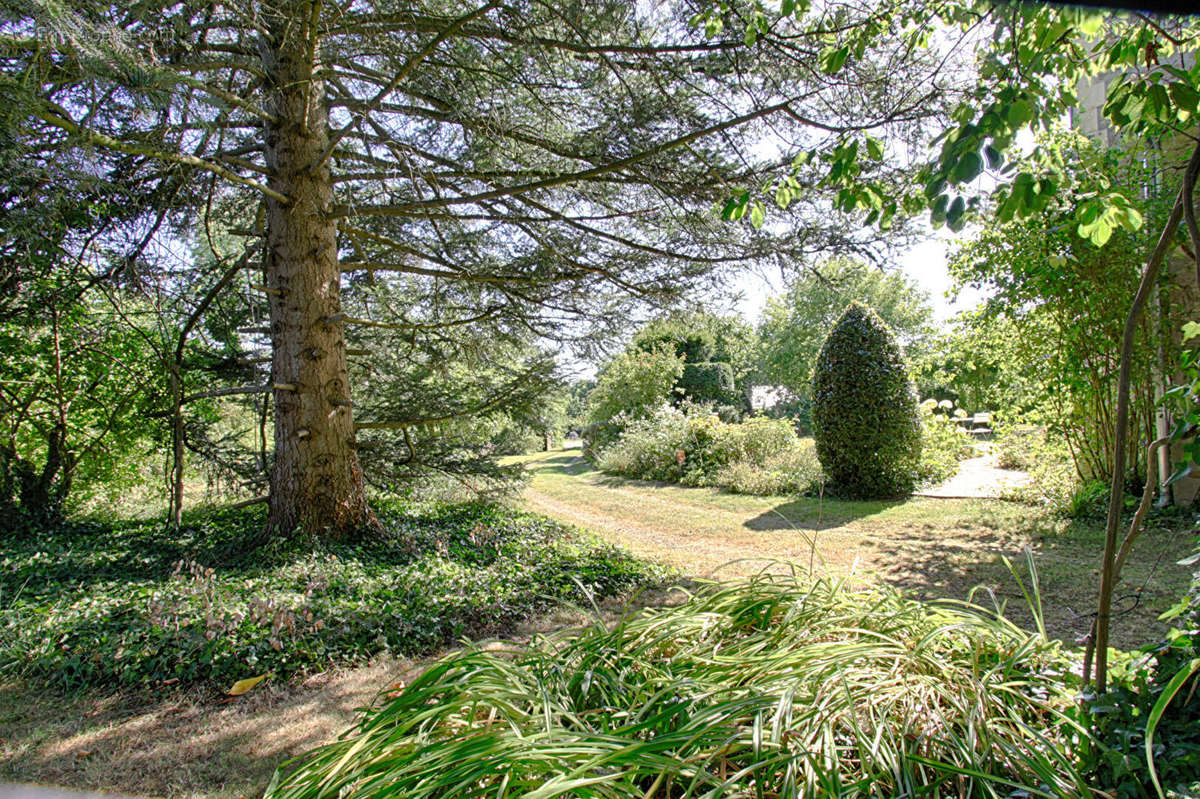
175 509
316 481
1116 499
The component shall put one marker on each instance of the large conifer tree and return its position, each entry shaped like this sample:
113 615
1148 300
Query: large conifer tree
529 165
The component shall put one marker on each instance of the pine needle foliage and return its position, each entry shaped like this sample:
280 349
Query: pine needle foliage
867 424
770 688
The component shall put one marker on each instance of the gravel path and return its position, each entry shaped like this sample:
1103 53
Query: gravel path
978 478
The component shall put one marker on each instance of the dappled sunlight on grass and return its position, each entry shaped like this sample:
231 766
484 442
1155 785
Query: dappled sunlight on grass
931 547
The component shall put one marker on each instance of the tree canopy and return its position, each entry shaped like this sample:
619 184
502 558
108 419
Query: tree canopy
718 353
795 324
526 168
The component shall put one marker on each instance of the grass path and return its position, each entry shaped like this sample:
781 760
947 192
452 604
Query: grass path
933 547
159 742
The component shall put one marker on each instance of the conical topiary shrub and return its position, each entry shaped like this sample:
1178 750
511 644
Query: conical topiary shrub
866 420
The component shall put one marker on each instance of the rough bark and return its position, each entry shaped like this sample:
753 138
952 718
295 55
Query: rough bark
316 481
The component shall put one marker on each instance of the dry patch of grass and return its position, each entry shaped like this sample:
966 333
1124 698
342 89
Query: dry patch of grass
930 547
198 743
181 743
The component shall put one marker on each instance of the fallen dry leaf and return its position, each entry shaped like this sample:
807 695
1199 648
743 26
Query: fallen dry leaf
242 686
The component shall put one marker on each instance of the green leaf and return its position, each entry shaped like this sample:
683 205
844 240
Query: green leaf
889 214
1009 207
1019 114
730 206
1159 103
1129 218
939 208
955 216
783 196
968 167
1190 330
1091 25
751 35
994 158
1088 212
874 148
832 59
1156 714
787 7
757 215
1186 97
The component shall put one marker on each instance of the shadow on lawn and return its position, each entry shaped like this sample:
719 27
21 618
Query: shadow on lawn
814 513
969 563
571 462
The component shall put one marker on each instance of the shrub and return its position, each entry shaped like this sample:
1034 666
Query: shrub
649 449
794 471
766 688
1054 481
943 442
694 447
129 603
1119 718
759 438
629 387
1019 446
867 423
708 382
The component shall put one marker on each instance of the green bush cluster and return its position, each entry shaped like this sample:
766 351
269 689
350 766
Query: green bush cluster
1021 446
90 604
943 442
708 382
629 387
867 425
1054 481
794 471
694 447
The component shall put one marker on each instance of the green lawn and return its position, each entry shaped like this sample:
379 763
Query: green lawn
932 547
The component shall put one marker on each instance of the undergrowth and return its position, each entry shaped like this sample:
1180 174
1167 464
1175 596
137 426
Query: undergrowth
87 604
768 688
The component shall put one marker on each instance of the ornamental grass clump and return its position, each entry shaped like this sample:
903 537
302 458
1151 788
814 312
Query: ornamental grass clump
770 688
867 424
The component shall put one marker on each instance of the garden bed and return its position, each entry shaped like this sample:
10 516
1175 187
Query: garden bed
93 604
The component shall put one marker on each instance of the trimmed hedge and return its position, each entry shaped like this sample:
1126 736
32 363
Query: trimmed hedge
867 423
708 382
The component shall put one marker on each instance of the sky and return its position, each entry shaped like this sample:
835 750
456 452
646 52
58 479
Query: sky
925 264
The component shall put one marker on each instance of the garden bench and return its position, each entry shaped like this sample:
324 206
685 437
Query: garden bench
978 424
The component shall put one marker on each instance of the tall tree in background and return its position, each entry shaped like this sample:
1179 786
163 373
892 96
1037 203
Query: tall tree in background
718 354
526 164
795 324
